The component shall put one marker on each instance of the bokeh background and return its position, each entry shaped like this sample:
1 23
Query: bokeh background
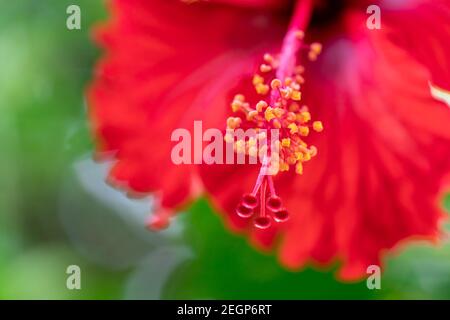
56 210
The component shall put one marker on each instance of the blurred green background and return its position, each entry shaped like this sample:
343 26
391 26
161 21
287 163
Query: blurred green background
56 211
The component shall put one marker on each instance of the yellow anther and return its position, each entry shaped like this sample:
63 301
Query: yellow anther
261 135
306 157
313 151
299 34
274 166
236 105
296 95
312 56
262 88
240 146
299 79
257 79
293 128
230 122
288 81
252 142
291 117
233 122
275 84
299 156
303 146
284 166
286 142
304 108
252 114
304 131
239 97
268 58
264 68
291 160
299 69
318 126
299 168
261 105
316 48
276 124
286 93
253 151
294 107
228 138
305 117
295 86
268 114
278 112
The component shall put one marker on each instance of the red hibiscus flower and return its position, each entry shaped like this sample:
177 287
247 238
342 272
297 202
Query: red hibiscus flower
379 166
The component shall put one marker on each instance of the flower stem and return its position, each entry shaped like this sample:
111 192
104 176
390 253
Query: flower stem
291 43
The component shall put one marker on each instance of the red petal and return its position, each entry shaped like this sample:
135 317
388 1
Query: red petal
167 64
382 157
423 29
